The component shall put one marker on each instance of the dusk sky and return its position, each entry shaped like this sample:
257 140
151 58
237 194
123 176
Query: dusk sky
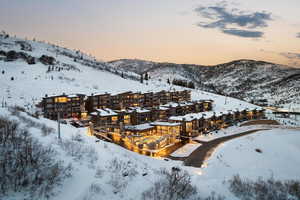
181 31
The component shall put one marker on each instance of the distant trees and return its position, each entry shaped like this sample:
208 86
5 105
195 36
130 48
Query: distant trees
4 34
47 60
183 83
260 189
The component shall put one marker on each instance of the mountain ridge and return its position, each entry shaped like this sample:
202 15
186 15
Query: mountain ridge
244 79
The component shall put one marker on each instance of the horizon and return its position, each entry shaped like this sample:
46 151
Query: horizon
190 32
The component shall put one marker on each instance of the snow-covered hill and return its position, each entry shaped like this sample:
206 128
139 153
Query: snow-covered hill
248 79
25 84
101 170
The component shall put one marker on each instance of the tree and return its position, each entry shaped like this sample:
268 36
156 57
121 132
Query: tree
122 75
168 81
49 68
3 72
146 76
191 85
142 78
174 185
12 78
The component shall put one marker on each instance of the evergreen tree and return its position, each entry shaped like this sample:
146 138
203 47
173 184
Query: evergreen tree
146 76
142 78
168 81
49 69
191 85
3 72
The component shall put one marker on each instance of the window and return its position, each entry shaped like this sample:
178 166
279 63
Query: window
126 119
114 118
61 99
189 126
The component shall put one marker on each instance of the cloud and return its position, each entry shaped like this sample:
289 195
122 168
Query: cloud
298 35
290 55
243 33
222 18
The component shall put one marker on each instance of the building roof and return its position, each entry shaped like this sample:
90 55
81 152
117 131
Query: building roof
170 104
157 123
139 127
163 108
104 112
139 109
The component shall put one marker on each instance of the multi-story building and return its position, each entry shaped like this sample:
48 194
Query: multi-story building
67 106
98 101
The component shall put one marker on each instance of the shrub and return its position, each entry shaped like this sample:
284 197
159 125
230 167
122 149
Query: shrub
173 185
26 165
261 189
121 173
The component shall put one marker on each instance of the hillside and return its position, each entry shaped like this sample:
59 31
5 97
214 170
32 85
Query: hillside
99 169
249 80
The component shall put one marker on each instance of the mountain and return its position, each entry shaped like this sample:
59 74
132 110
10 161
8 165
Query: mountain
82 167
249 80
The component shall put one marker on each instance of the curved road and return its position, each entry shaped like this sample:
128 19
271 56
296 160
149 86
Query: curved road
202 153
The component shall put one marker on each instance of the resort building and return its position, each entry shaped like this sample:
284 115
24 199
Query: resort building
66 106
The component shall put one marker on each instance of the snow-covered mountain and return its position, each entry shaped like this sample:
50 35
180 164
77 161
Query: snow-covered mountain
244 79
102 170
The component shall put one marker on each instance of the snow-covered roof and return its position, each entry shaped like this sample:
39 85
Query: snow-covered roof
170 104
75 95
193 116
157 123
139 127
163 108
139 109
104 112
186 103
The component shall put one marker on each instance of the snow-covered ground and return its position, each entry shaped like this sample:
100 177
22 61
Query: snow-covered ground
278 148
96 169
186 150
233 130
279 158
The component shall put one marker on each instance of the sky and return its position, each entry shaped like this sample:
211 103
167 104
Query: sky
205 32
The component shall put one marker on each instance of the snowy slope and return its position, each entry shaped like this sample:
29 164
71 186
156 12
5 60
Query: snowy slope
32 82
278 158
249 79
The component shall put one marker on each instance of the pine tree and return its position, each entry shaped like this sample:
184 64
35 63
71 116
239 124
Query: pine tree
49 69
3 72
168 81
191 85
146 76
142 78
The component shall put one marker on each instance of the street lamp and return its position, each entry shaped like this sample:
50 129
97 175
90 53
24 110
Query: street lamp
58 101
